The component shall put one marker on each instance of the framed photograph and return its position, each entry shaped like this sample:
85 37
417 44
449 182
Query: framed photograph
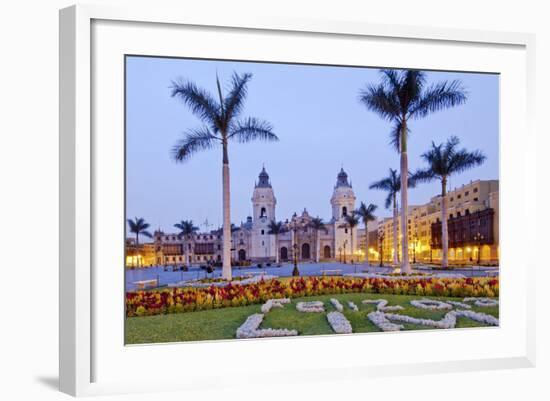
336 199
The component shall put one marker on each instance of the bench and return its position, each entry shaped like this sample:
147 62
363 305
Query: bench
256 273
334 272
143 284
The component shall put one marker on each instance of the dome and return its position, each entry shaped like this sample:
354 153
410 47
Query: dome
342 179
263 180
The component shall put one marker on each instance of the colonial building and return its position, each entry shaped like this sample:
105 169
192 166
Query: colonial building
473 216
252 241
473 226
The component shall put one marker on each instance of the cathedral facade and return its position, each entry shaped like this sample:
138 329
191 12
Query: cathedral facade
255 241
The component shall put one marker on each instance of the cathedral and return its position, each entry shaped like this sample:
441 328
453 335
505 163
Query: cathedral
254 241
299 238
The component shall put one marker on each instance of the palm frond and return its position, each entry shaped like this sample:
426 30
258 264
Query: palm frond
139 226
444 160
395 135
252 129
192 142
366 212
437 97
413 84
234 102
388 201
381 101
276 227
423 175
199 102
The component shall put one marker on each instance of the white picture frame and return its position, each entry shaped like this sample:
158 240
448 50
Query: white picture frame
78 218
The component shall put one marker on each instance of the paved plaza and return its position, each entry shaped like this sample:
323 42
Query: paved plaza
166 276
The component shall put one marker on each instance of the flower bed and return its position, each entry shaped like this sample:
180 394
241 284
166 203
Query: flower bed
384 321
274 303
337 305
177 300
250 329
353 307
339 323
310 307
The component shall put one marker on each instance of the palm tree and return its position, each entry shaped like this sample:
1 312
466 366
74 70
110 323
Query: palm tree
400 97
443 161
392 185
139 226
351 221
221 124
276 228
366 213
317 224
187 229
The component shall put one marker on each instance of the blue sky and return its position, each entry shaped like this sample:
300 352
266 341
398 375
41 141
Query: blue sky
321 125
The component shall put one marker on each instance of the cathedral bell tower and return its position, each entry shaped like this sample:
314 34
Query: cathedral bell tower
263 206
343 204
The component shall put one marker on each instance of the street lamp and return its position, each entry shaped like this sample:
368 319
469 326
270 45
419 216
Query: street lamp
478 238
340 253
294 227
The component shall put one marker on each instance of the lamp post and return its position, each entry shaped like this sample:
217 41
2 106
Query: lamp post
294 227
340 252
381 247
478 238
415 244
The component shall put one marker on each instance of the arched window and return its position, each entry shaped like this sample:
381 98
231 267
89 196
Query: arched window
263 212
344 211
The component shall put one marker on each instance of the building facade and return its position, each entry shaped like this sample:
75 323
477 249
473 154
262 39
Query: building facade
473 226
252 241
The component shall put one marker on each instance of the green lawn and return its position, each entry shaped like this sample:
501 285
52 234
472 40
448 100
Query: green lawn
221 324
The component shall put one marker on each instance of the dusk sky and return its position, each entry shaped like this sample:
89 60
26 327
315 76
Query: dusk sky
321 126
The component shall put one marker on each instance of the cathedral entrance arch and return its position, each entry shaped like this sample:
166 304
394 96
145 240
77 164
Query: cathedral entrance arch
306 254
284 253
326 252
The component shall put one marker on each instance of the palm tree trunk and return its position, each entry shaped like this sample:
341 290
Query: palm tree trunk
405 266
444 227
137 250
367 243
351 243
226 265
395 239
277 249
317 245
186 251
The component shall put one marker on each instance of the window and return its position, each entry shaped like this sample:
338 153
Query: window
475 190
458 214
346 230
220 247
476 199
263 232
450 216
344 212
263 243
452 199
467 211
459 196
263 212
467 193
